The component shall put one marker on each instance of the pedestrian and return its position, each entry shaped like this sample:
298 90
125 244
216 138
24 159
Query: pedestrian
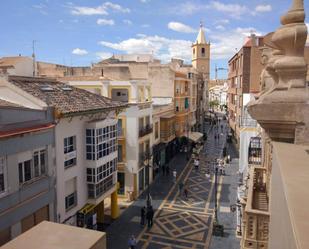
143 214
196 164
149 200
174 175
132 242
149 216
163 169
224 151
180 188
167 170
185 191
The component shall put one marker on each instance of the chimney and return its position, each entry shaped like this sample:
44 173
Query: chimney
254 40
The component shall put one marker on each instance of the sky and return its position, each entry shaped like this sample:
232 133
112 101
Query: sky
81 32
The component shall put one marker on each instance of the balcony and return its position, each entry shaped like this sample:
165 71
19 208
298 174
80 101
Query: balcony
146 130
144 156
255 151
167 136
256 215
248 122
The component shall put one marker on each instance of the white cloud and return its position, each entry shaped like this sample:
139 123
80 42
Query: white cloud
88 11
220 27
222 21
144 1
116 7
187 8
42 8
223 45
162 47
233 10
145 26
104 55
105 22
78 51
127 22
263 8
180 27
99 10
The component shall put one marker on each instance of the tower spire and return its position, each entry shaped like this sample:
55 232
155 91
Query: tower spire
201 35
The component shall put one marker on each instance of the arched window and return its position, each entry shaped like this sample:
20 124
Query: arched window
194 51
203 51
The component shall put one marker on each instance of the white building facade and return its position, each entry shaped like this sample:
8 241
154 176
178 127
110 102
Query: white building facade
85 145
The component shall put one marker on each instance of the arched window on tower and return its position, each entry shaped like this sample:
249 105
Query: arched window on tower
203 51
193 51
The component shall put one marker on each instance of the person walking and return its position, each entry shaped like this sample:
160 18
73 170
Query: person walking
143 215
163 169
132 242
185 191
196 164
149 216
180 188
167 170
174 175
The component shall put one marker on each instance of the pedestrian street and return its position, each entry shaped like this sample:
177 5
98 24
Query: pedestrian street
186 222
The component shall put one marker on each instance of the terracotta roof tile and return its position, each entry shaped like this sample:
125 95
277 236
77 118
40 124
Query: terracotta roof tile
66 99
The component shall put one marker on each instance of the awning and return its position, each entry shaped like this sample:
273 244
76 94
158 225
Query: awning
195 136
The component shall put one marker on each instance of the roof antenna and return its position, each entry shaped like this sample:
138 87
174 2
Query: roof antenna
33 57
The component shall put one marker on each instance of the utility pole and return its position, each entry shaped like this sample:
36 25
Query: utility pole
33 58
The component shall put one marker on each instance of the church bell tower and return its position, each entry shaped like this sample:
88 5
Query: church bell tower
201 53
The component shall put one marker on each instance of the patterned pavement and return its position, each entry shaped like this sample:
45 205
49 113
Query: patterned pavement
182 222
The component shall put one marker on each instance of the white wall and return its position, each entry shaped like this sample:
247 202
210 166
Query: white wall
77 127
132 115
245 135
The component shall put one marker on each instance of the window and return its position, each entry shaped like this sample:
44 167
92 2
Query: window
194 51
70 151
120 159
203 51
121 180
2 169
39 158
157 130
70 193
34 168
100 179
70 201
119 127
24 170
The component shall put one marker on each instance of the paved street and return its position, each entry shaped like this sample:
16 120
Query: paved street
182 222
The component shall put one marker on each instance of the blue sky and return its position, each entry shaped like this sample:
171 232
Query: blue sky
79 32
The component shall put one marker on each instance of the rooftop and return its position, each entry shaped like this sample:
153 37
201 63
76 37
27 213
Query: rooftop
49 235
5 103
66 99
11 61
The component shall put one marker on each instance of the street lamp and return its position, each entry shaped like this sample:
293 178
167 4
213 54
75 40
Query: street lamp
217 229
147 158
